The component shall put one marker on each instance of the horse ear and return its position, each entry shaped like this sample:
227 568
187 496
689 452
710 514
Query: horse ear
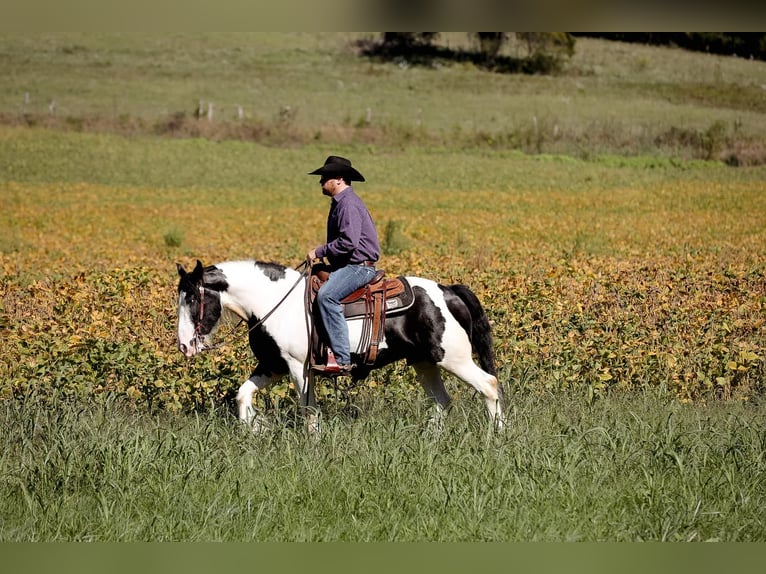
196 275
181 270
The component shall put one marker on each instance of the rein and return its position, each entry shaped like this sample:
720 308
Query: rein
304 267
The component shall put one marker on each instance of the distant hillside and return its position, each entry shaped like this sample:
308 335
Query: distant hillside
279 89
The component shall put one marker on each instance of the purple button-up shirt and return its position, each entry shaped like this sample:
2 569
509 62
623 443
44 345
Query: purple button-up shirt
351 234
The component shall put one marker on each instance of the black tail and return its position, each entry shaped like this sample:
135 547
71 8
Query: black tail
480 332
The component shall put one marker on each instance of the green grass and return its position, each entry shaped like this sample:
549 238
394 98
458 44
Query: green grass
298 88
45 156
627 468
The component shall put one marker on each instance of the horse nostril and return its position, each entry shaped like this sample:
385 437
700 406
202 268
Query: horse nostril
182 348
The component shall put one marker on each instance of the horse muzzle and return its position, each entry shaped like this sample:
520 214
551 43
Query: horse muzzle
192 348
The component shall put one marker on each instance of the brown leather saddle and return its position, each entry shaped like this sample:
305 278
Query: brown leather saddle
381 297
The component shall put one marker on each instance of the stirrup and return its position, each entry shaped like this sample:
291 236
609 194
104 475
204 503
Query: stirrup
336 369
332 367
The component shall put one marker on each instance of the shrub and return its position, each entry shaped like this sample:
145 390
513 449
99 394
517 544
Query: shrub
394 241
173 237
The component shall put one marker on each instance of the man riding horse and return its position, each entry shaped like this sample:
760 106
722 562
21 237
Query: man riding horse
352 249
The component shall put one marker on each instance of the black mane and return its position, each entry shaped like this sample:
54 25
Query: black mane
215 279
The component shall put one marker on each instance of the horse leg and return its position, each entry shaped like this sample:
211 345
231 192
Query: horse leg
304 387
464 368
245 394
431 381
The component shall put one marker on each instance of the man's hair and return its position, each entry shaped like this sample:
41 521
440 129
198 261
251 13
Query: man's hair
344 178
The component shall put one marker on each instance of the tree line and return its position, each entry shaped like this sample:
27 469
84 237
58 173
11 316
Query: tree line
538 52
545 52
742 44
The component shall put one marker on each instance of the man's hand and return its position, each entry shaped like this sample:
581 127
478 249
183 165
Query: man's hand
312 255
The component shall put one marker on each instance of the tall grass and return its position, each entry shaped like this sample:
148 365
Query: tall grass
627 468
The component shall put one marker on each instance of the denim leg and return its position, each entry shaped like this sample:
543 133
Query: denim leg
342 282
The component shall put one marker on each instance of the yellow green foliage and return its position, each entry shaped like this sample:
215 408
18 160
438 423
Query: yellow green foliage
658 286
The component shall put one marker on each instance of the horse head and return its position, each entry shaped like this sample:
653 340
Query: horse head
199 308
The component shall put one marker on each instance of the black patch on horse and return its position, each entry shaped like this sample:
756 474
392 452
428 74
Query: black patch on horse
265 349
212 310
457 306
273 271
186 285
415 334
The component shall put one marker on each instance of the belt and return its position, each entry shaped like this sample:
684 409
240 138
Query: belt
367 264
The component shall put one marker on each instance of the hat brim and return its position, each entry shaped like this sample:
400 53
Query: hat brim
348 173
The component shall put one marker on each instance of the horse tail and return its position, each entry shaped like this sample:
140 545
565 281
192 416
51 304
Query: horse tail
480 331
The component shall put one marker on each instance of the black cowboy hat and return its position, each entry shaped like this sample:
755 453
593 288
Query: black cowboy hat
336 166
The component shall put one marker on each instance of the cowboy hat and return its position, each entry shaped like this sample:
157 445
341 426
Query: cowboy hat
336 166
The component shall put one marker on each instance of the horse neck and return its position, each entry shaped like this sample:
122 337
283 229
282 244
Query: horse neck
251 292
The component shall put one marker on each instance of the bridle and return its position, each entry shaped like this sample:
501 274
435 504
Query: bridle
304 268
198 342
198 324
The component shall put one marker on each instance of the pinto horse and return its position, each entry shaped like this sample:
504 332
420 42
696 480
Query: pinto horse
441 330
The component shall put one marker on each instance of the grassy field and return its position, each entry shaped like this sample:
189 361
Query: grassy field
623 469
622 271
299 88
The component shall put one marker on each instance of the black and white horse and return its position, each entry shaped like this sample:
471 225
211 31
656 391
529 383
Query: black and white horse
440 331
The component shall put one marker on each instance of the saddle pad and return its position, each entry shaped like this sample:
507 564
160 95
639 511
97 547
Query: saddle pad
399 302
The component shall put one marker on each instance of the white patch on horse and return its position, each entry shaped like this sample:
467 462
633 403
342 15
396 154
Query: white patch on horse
186 333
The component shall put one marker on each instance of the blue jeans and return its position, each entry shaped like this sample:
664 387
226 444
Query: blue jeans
341 283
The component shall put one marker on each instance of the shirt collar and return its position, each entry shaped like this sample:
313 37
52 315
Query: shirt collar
338 196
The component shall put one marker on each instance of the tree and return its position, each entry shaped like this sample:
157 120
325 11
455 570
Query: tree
490 43
547 43
545 51
404 41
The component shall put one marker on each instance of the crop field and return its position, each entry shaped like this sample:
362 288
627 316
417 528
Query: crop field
626 290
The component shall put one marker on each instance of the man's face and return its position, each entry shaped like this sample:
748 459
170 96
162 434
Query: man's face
330 185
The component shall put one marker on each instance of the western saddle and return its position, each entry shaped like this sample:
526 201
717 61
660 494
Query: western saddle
372 303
